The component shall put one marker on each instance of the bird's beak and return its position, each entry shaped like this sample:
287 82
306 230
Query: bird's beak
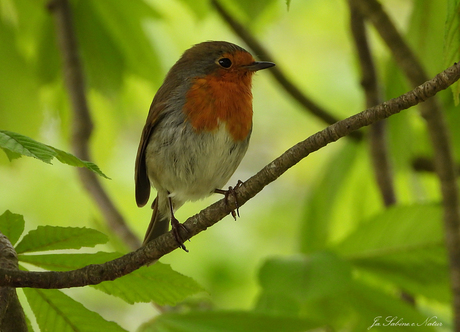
258 65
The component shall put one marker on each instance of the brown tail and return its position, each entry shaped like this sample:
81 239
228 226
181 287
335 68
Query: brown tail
159 223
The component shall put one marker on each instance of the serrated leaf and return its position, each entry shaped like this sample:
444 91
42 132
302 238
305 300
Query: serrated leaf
12 155
12 226
158 283
226 321
16 144
25 146
55 237
66 262
70 159
55 311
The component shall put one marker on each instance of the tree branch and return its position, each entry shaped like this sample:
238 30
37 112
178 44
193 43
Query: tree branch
82 123
377 133
94 274
305 101
439 134
12 318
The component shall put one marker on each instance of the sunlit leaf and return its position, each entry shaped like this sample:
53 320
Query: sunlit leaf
53 237
12 226
55 311
19 144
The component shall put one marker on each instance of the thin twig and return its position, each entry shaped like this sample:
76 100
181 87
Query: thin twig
94 274
439 134
369 82
377 133
304 100
82 124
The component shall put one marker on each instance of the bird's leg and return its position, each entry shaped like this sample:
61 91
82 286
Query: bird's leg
231 191
175 225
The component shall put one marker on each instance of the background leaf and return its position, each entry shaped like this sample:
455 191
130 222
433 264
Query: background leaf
56 311
226 321
404 245
54 237
317 218
12 226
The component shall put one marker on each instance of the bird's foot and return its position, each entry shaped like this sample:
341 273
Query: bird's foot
231 191
176 227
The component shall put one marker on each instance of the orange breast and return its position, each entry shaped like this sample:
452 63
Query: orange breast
216 99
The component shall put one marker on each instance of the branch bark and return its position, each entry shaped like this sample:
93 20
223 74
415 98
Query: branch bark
305 101
94 274
439 135
12 318
82 123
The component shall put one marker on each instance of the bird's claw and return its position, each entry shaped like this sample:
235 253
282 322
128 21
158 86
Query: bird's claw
232 191
176 226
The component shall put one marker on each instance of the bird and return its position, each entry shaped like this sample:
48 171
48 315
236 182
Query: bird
197 131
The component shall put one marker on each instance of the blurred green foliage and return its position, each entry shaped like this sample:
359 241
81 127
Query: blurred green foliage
316 248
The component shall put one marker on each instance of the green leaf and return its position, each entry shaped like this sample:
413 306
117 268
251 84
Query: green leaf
12 226
16 144
69 159
199 7
226 321
403 245
19 92
26 146
158 283
54 238
452 40
318 212
396 229
66 262
124 24
372 304
56 311
295 280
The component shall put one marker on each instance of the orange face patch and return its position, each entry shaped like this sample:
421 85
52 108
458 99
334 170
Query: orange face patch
223 97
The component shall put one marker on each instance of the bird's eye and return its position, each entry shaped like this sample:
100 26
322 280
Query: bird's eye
225 62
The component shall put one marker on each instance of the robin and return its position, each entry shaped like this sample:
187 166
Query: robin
197 130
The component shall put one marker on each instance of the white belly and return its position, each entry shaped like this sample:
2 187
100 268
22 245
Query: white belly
191 165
